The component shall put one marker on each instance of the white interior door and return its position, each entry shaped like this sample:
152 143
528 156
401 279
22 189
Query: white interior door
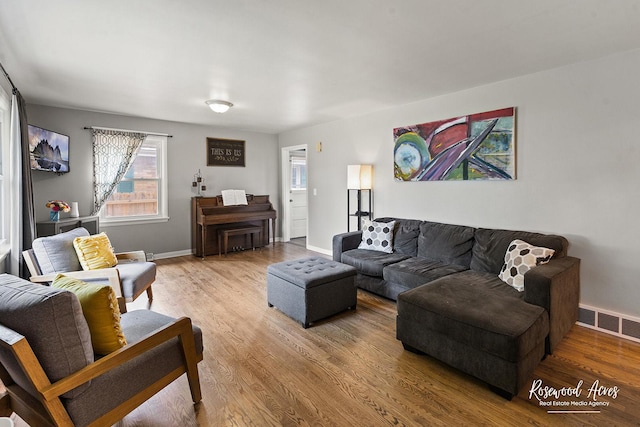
298 201
298 193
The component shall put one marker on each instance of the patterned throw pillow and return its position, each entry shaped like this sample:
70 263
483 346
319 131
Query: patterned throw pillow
520 258
95 252
377 236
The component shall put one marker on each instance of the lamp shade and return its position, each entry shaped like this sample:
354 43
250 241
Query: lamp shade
359 177
219 106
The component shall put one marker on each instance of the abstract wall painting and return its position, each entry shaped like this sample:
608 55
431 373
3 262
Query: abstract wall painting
475 147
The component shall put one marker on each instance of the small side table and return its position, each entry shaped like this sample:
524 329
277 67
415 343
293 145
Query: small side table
49 228
359 213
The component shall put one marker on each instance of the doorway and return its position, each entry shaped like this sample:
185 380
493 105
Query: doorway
294 190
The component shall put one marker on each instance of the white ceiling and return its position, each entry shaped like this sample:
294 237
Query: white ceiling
287 64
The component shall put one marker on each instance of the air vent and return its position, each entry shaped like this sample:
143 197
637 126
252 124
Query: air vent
610 322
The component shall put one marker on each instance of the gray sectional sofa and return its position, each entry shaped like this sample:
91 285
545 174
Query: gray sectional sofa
453 305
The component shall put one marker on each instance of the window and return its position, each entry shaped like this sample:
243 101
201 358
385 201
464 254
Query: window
298 173
142 194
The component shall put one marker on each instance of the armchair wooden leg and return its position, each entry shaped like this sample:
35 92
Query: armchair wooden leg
5 405
194 384
188 344
150 294
122 304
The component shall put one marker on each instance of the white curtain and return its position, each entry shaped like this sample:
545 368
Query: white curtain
113 153
15 189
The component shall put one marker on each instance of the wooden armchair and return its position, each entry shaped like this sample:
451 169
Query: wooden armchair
49 370
55 254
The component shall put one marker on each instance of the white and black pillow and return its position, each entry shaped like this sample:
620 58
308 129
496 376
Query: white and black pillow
377 236
520 258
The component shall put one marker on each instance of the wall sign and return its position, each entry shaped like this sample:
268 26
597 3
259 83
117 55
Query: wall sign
225 152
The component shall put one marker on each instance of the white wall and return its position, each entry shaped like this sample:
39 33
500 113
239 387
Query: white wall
187 154
578 169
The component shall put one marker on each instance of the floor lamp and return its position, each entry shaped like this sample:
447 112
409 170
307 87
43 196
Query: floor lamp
359 179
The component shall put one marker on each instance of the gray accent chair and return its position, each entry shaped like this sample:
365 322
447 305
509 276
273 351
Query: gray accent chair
55 254
51 375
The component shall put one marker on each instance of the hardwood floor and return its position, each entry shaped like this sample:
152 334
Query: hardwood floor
261 368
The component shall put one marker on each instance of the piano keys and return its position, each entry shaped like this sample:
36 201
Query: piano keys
208 214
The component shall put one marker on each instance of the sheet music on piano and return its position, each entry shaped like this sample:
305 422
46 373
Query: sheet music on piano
234 197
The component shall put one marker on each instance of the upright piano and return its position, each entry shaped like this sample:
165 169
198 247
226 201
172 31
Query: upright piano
208 215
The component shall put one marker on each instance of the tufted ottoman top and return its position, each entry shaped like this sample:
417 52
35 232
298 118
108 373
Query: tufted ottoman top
310 272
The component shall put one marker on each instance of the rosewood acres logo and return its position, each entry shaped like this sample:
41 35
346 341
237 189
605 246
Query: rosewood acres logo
578 399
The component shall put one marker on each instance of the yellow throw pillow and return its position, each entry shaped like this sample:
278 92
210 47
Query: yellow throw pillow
100 309
95 252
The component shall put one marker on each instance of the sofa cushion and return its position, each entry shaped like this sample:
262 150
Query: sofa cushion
100 309
491 245
370 262
478 310
414 272
520 258
137 324
377 236
405 237
52 321
56 254
446 243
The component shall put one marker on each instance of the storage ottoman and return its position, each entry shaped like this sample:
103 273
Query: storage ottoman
310 289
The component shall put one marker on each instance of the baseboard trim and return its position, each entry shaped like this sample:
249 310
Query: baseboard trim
184 252
610 322
320 250
172 254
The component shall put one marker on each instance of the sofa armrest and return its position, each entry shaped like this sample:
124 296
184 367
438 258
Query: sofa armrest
556 287
345 242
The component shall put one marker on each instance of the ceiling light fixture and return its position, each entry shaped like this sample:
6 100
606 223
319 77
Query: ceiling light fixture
219 106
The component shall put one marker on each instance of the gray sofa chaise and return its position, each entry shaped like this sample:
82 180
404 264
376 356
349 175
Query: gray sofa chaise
453 305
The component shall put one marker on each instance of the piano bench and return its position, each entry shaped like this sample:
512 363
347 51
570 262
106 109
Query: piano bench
224 233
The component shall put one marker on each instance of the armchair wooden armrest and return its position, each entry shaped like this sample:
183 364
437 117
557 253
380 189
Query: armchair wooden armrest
110 274
181 328
132 256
